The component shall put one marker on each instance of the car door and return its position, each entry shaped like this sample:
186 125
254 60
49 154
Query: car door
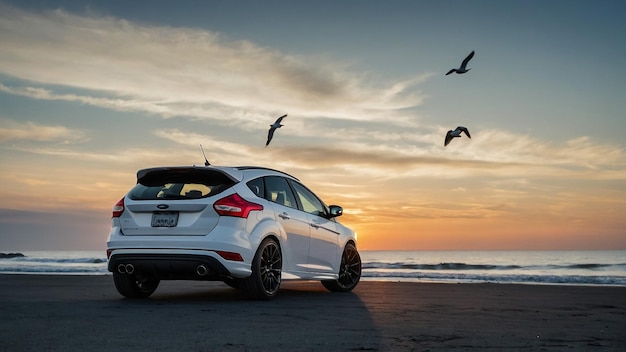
294 222
323 249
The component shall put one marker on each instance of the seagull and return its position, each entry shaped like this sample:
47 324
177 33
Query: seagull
273 128
456 133
462 69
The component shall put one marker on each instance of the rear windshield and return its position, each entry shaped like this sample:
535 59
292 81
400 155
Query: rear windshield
179 184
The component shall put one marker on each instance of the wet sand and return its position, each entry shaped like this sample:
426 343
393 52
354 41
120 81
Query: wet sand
85 313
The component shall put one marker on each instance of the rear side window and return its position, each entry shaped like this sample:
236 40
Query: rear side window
257 187
179 184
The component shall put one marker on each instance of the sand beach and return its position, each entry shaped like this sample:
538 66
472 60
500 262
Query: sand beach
80 313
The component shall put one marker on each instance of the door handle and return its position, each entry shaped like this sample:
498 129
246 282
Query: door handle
284 216
315 226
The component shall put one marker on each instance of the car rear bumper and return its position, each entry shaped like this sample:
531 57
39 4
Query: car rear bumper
176 265
170 266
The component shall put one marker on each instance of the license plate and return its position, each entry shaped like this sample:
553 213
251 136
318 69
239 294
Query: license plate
164 219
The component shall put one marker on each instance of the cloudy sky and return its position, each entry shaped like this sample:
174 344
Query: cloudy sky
92 91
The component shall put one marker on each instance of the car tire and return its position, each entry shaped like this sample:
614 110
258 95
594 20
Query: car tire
264 282
131 287
349 271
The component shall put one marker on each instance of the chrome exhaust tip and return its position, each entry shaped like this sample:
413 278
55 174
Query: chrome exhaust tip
121 269
202 270
129 269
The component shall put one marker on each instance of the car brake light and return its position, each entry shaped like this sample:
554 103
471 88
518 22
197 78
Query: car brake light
118 208
234 205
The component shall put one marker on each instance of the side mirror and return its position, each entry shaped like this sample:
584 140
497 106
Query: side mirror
335 211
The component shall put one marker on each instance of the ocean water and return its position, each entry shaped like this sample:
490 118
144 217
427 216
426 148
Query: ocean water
55 262
528 267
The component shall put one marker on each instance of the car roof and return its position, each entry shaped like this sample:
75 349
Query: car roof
234 172
264 170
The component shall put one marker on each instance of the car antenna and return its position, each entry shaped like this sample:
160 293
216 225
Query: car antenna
206 162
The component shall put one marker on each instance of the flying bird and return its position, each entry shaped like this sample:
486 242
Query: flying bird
273 127
463 68
456 133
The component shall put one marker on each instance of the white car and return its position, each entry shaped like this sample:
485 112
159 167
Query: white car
250 227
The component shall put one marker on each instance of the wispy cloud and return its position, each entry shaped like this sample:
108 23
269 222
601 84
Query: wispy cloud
488 153
515 155
13 131
118 104
508 147
130 156
183 71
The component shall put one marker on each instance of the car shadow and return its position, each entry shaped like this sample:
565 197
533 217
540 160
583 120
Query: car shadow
75 313
188 291
303 317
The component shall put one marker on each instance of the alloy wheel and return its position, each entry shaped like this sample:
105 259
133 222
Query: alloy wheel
350 270
271 267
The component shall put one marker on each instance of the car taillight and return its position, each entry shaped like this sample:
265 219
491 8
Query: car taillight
118 208
234 205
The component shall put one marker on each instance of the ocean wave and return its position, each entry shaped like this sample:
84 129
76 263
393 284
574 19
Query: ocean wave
52 270
53 263
59 260
588 266
440 266
537 279
19 257
464 266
